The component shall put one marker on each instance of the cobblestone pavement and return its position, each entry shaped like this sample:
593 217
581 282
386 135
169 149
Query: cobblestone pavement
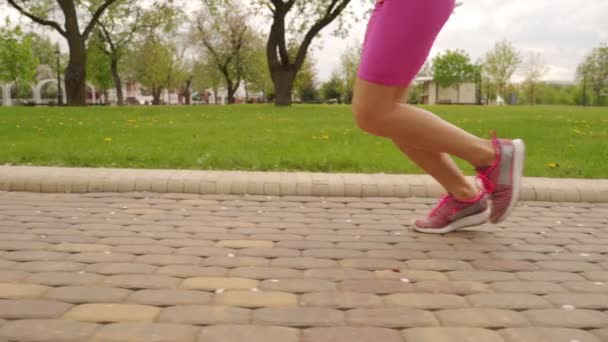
217 268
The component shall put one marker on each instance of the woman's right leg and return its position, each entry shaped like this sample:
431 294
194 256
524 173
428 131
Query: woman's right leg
437 164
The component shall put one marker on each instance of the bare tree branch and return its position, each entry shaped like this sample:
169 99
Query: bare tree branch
36 19
95 17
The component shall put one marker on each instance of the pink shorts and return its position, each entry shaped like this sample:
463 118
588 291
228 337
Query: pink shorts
399 38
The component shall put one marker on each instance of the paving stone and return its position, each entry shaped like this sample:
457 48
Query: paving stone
425 301
533 287
539 334
9 276
142 249
483 276
371 264
297 285
350 334
268 252
334 254
188 271
51 266
30 308
245 244
236 261
568 266
438 265
93 258
212 284
411 275
549 276
303 263
24 255
142 281
508 301
80 247
82 295
452 287
451 334
298 317
250 333
482 318
391 317
250 299
47 330
562 318
64 278
167 259
120 268
169 297
338 274
377 286
504 265
103 313
602 334
146 332
341 300
21 291
204 315
586 286
579 300
265 272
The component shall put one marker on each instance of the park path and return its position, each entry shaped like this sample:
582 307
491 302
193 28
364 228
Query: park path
229 268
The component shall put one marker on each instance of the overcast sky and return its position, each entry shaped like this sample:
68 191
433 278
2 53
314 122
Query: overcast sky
563 31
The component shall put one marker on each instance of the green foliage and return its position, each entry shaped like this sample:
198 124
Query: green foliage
151 62
305 84
16 59
453 67
349 64
98 65
500 64
333 88
593 72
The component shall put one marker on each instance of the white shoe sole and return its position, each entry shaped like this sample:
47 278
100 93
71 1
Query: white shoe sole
519 156
469 221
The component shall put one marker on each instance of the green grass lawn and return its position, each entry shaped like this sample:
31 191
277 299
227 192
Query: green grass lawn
562 141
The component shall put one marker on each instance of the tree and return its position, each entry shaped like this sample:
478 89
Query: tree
119 27
333 89
226 35
72 10
500 64
256 76
534 68
350 63
207 76
98 66
453 68
593 71
16 58
152 64
305 84
306 20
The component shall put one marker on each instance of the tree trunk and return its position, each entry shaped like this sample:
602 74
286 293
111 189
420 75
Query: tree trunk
75 73
283 86
187 92
458 93
156 93
117 81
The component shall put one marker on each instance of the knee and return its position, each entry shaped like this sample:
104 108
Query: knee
369 116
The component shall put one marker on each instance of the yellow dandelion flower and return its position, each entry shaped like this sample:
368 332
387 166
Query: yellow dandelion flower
131 121
108 139
326 137
553 165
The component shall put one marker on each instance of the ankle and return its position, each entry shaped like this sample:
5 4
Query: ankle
486 155
466 195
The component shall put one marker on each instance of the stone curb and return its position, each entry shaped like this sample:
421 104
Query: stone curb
81 180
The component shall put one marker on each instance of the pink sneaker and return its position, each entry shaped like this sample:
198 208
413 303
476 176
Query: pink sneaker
502 180
451 214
